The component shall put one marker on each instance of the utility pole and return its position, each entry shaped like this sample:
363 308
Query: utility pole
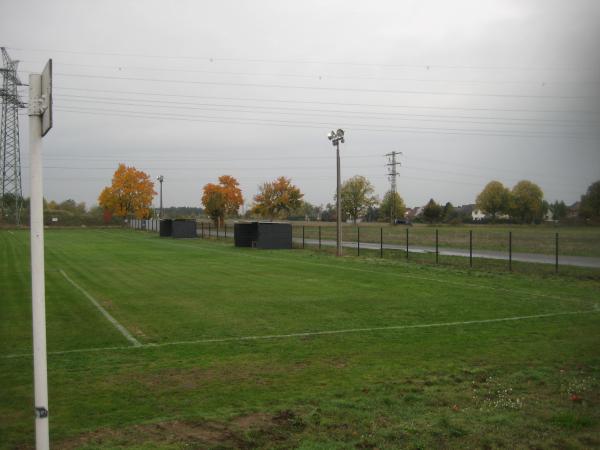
10 154
392 174
336 137
160 179
40 121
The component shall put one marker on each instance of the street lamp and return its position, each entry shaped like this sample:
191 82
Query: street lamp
336 137
160 179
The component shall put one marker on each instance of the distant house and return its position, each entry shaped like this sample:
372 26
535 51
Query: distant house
478 215
411 213
465 210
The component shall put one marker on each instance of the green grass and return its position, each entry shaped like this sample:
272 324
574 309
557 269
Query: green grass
573 240
495 384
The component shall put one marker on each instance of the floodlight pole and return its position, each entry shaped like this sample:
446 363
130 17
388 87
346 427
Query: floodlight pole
160 179
38 293
338 202
335 137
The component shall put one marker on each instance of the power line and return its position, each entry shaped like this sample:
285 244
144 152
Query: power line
112 158
322 88
198 180
119 158
317 102
320 125
392 172
296 111
212 59
319 77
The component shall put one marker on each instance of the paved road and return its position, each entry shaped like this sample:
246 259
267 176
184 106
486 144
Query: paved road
580 261
563 260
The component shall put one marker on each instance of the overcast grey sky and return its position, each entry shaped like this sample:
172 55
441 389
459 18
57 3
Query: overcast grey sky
469 91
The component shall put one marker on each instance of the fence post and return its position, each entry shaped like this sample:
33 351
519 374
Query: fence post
303 237
470 248
556 260
510 251
218 226
209 230
381 242
319 237
358 240
437 250
202 228
225 231
407 243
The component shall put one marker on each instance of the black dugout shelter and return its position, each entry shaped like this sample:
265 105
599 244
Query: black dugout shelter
165 228
269 235
184 228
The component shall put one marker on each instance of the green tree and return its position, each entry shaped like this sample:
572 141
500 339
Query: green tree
8 209
72 206
328 213
526 202
357 196
558 210
214 203
307 211
392 202
590 202
494 199
448 212
432 211
277 198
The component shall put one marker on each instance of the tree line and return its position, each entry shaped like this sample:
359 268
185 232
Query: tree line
131 193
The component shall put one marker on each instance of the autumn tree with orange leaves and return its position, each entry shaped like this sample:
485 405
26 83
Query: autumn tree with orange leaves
277 198
131 192
223 199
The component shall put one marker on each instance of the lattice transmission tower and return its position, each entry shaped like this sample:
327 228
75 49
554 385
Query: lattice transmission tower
392 174
10 155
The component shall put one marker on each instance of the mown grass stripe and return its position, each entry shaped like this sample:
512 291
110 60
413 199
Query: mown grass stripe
269 258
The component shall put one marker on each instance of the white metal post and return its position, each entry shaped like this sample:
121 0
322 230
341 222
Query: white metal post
38 290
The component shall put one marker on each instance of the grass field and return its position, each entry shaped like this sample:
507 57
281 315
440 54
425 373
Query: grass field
293 349
573 240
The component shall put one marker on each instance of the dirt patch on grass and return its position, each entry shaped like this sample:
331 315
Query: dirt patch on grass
137 331
242 432
195 377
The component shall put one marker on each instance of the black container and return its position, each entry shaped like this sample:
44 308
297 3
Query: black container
165 228
184 228
268 235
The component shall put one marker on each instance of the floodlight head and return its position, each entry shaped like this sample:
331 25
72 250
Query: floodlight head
331 135
340 133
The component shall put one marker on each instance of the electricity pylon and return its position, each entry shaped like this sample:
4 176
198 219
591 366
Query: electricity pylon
10 155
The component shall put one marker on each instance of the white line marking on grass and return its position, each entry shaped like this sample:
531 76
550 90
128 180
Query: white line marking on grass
362 330
317 333
104 312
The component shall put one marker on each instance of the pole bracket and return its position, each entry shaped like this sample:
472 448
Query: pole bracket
36 106
41 412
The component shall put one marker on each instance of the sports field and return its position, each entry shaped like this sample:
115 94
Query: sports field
158 343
